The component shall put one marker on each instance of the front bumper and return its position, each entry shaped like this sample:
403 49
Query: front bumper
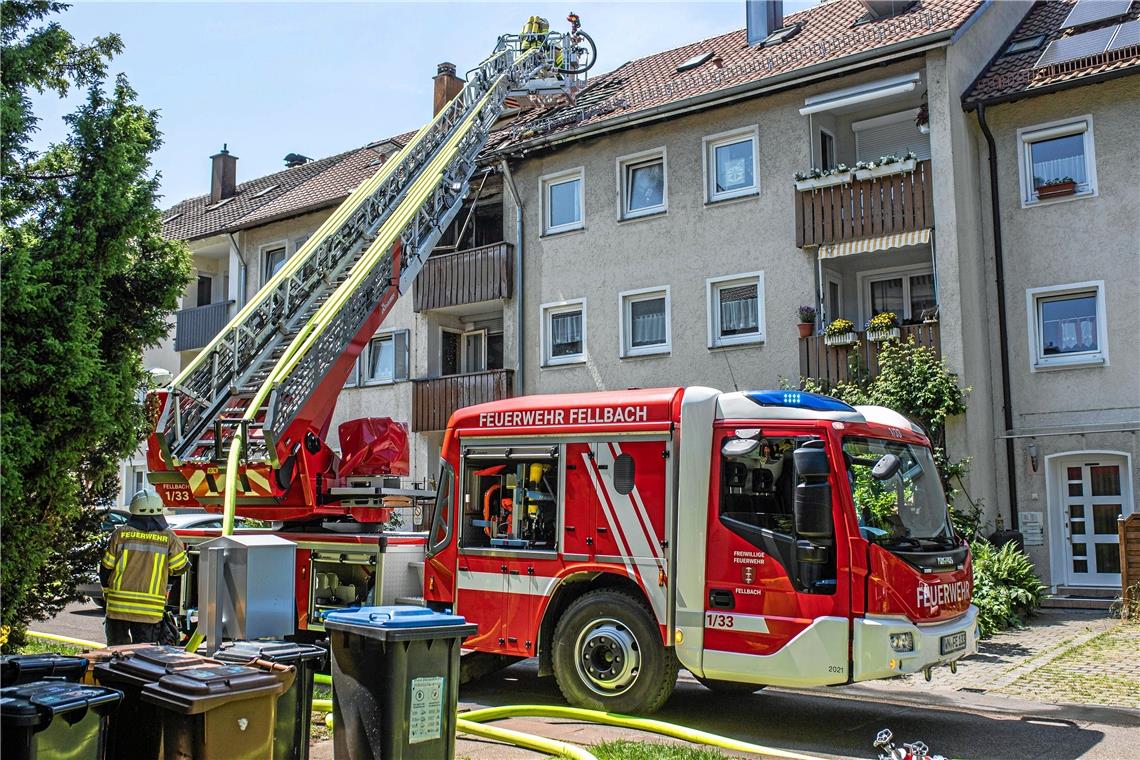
873 656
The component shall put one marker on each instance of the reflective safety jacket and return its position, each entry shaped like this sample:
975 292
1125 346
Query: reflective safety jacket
140 564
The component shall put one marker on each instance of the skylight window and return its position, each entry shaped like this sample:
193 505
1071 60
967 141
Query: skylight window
1025 44
220 203
694 62
265 191
783 34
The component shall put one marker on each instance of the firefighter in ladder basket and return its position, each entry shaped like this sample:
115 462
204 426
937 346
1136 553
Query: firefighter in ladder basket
136 567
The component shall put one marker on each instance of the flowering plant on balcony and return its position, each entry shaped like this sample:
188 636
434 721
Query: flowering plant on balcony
883 326
841 332
814 177
807 314
888 164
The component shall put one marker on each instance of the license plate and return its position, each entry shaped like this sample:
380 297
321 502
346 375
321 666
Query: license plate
954 642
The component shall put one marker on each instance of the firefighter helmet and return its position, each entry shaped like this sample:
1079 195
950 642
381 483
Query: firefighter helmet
146 502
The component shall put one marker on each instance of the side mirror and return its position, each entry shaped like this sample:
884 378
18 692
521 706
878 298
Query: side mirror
813 495
886 467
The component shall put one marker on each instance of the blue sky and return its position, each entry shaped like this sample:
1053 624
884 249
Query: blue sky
319 78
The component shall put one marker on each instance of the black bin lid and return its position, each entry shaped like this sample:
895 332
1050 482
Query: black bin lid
38 703
16 669
287 652
196 690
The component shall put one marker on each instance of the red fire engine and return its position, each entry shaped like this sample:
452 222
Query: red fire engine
754 538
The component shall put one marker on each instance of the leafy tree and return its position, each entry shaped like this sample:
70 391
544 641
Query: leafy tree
914 381
88 282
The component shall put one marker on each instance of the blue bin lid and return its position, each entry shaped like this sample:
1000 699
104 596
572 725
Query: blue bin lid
394 616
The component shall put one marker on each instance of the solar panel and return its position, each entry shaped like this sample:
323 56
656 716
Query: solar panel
1077 46
1129 34
1088 11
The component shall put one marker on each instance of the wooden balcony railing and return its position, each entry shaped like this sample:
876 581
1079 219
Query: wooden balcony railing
194 328
838 364
463 277
434 399
866 208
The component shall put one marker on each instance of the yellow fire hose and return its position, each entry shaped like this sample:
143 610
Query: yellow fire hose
81 643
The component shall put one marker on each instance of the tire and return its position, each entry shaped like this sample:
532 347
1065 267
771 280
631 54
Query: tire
607 655
731 688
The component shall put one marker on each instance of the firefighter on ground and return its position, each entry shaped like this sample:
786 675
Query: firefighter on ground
142 555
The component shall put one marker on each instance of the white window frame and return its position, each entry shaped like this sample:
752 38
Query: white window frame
1038 361
625 321
547 310
713 286
263 252
1026 136
864 280
367 356
625 165
711 143
353 380
548 181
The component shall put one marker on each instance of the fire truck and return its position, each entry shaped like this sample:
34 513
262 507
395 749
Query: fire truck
754 538
244 427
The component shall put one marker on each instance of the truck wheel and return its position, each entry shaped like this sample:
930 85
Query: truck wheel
608 655
729 687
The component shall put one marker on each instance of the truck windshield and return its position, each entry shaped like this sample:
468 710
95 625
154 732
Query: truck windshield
907 508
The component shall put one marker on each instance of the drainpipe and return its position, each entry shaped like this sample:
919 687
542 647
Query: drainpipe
1003 328
241 273
519 342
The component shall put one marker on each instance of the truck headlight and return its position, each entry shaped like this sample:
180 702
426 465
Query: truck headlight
902 642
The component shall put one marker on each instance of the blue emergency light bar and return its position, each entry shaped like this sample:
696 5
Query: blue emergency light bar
814 402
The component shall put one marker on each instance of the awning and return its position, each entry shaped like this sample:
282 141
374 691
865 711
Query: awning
881 243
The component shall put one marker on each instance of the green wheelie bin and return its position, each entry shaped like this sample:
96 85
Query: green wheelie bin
395 673
55 719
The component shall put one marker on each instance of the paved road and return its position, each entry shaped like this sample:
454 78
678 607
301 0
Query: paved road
833 723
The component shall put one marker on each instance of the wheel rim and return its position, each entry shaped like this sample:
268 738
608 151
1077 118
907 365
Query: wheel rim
608 657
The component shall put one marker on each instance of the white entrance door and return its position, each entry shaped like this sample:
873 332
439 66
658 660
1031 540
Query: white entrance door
1094 491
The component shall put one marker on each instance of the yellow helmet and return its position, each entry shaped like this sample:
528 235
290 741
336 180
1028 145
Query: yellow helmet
146 502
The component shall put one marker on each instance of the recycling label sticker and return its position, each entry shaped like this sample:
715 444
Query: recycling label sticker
425 719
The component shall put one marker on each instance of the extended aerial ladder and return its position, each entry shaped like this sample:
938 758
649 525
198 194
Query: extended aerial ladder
244 424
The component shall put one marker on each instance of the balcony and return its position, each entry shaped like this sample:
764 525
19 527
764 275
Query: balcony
465 277
866 208
196 327
434 399
831 365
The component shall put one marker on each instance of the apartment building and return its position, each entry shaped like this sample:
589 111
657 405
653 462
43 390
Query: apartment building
1059 102
651 233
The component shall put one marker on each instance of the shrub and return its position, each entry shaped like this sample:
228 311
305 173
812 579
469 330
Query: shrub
1006 587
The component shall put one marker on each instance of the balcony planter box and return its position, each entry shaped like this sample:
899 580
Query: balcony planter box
821 182
844 339
899 167
878 336
1056 191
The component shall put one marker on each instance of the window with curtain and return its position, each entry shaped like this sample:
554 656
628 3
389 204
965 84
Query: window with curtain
1051 153
645 322
731 162
736 310
906 295
564 334
1067 325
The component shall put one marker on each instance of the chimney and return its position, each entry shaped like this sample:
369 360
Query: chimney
763 17
296 159
447 86
223 176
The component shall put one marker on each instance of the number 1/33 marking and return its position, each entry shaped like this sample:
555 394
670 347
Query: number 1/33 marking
713 620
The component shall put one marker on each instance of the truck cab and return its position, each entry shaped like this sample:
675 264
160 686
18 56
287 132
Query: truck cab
754 538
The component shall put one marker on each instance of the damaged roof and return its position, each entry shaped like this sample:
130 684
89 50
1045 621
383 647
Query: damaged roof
297 190
825 36
1012 75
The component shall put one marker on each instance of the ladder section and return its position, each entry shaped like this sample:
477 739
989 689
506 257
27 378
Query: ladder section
219 385
303 385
